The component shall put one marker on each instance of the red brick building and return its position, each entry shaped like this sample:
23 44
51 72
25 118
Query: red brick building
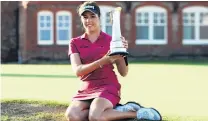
163 29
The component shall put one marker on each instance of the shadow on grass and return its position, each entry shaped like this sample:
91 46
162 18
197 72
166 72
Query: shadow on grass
37 76
174 62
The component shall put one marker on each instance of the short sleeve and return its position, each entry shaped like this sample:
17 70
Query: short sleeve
72 48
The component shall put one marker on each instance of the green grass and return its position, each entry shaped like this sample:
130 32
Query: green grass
59 115
41 115
173 62
49 103
177 89
36 117
32 110
38 76
21 110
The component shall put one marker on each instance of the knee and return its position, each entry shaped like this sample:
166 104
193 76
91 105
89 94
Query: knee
71 115
93 117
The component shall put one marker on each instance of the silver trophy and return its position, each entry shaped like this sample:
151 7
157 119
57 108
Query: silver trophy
116 45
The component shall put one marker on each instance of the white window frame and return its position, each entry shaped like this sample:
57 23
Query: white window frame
104 9
63 42
47 42
196 10
150 10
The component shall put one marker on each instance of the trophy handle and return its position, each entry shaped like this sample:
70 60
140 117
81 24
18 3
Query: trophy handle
119 53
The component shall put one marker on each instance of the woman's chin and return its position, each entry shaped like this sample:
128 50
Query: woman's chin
91 30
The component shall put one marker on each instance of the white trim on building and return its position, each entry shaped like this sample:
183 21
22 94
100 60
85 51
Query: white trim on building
45 28
152 21
63 27
194 21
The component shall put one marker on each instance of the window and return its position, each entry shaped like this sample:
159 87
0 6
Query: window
45 28
195 25
151 25
105 19
63 27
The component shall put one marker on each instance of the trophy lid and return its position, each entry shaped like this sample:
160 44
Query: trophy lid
118 9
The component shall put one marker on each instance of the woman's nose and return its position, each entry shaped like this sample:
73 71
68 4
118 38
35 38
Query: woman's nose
88 19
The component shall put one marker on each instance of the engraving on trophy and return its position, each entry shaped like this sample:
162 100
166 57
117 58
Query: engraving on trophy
116 45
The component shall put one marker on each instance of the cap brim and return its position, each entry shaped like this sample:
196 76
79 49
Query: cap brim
87 10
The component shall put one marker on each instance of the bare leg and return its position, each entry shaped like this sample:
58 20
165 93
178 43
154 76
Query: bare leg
101 109
78 111
112 114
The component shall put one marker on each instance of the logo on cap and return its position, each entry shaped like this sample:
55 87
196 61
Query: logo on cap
89 7
92 8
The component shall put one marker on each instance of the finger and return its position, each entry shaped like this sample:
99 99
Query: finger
123 39
116 56
125 45
108 52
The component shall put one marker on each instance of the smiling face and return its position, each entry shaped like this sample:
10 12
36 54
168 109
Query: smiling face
90 21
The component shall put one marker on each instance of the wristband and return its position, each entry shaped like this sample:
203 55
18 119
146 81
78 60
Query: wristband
126 60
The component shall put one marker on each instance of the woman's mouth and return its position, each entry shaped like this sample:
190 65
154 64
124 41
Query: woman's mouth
89 25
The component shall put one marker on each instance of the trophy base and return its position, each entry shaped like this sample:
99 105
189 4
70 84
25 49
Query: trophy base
119 53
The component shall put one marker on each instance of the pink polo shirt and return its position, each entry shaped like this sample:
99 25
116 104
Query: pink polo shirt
102 80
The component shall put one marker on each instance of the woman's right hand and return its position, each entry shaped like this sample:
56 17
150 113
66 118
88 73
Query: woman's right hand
113 58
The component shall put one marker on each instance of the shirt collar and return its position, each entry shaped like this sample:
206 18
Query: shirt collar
84 36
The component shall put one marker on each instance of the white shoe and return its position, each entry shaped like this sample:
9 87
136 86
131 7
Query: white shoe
149 114
129 106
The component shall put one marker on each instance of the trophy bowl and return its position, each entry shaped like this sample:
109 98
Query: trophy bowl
116 45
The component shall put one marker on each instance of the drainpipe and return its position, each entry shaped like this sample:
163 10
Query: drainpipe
22 29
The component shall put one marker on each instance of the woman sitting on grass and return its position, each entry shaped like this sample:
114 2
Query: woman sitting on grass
90 60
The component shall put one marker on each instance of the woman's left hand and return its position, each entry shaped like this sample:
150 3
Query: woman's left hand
125 42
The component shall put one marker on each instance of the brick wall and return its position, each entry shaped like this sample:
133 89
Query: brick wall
9 31
23 33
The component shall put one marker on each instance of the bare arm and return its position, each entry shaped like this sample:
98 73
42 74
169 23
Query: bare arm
122 67
83 69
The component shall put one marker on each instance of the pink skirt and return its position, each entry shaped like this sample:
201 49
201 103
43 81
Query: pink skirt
109 92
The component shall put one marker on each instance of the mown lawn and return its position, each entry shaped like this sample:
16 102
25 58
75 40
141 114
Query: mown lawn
178 91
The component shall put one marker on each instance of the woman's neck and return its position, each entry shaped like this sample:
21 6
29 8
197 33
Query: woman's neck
93 35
